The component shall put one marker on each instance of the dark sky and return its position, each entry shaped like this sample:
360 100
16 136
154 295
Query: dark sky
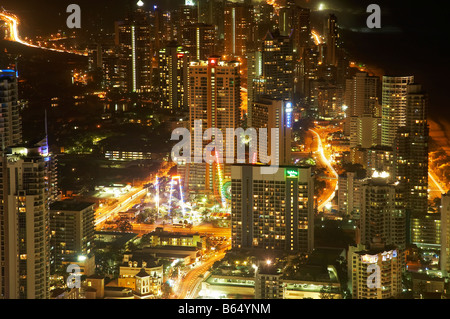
412 39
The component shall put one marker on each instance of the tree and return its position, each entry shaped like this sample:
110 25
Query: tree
326 292
124 226
166 290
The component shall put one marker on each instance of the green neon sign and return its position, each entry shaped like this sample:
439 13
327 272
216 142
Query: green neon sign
291 173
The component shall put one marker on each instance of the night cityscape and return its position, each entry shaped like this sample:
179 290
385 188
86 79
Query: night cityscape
224 150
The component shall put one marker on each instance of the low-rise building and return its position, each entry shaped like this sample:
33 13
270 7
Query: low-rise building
135 263
159 237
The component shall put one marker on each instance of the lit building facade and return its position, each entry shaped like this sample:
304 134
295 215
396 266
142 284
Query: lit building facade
269 113
71 231
214 100
133 41
26 217
278 66
272 212
173 77
393 106
238 28
367 264
411 152
444 258
382 213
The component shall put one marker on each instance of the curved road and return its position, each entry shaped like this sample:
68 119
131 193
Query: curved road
188 285
320 151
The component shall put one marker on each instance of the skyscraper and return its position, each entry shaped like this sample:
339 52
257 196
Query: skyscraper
133 40
444 257
26 223
411 151
10 121
361 95
274 211
384 279
71 231
238 28
332 36
382 214
269 113
173 76
278 66
393 106
200 40
255 80
214 99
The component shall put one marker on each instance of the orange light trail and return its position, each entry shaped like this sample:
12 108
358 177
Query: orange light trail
316 37
13 22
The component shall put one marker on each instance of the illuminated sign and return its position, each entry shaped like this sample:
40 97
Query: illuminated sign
388 255
288 110
180 55
385 256
291 173
369 259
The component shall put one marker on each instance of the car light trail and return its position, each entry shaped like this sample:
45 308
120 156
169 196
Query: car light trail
316 37
330 167
13 22
119 207
436 183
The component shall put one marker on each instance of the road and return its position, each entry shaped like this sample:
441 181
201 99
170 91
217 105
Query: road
188 287
330 192
201 229
14 36
125 203
128 200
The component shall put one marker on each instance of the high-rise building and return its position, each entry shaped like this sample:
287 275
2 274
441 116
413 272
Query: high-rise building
332 36
393 106
264 18
361 95
329 101
361 100
365 131
375 270
212 12
10 123
185 15
425 230
278 66
274 211
349 193
444 258
380 158
382 214
173 77
301 29
26 224
255 80
269 113
71 231
215 100
238 28
200 40
133 40
411 151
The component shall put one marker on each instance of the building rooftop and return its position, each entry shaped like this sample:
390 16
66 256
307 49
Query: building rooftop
142 273
324 256
70 205
311 273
